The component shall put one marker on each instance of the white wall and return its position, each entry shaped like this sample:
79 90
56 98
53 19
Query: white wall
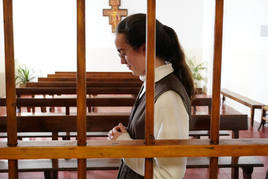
50 38
188 21
45 32
245 51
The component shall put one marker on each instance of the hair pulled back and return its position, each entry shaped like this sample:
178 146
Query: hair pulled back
167 46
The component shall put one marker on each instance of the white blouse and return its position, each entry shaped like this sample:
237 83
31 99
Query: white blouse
171 121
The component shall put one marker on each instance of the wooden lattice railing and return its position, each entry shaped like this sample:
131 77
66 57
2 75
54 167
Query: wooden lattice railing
82 149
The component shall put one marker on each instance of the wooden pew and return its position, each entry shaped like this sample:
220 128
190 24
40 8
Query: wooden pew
199 100
94 79
71 76
97 74
202 122
91 91
21 135
71 102
72 90
246 163
243 100
103 122
127 83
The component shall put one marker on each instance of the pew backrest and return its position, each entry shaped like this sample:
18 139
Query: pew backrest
252 104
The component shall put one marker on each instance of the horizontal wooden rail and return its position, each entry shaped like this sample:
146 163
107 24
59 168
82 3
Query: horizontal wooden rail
71 90
134 149
94 134
97 101
89 84
49 123
88 79
98 73
104 121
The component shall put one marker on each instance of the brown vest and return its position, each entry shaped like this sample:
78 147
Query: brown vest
136 124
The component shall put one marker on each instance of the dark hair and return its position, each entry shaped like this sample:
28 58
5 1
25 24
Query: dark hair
167 46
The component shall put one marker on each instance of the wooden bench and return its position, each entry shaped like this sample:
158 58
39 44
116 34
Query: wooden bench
201 100
70 78
21 135
104 122
98 101
96 74
94 87
91 91
243 100
60 80
127 83
93 79
103 75
72 90
91 76
246 163
198 100
97 122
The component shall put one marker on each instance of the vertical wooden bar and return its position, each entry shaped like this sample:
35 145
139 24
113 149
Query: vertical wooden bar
252 111
10 85
67 113
150 64
81 85
215 114
55 162
235 170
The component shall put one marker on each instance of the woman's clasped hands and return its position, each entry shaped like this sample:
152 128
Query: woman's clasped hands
116 132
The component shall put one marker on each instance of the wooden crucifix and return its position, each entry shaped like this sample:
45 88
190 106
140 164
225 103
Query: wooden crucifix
115 14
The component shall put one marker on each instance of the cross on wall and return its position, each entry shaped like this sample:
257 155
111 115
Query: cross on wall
115 14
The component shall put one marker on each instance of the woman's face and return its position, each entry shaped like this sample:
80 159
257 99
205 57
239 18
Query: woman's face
134 59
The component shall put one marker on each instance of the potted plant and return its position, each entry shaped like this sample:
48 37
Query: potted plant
23 75
197 69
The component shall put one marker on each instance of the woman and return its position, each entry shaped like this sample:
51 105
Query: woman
173 90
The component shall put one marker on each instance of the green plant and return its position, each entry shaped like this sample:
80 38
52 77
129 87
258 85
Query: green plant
196 69
23 75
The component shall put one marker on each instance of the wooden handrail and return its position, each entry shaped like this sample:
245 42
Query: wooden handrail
134 149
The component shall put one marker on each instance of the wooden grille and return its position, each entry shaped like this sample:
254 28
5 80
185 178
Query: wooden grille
82 149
